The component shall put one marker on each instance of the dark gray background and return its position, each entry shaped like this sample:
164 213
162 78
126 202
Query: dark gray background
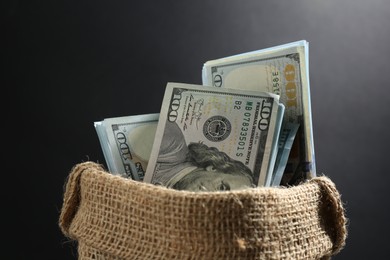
70 63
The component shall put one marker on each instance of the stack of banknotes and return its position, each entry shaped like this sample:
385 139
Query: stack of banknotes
247 125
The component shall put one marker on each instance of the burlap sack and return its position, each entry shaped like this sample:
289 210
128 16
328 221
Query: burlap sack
115 218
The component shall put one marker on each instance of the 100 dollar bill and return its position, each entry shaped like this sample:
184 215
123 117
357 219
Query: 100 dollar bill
282 70
211 139
286 140
127 142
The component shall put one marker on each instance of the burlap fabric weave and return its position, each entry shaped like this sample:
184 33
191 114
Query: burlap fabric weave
115 218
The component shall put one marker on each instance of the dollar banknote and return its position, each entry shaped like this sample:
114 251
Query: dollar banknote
210 139
275 146
127 142
286 140
283 70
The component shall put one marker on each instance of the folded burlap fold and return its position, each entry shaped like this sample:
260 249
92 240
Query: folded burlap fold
115 218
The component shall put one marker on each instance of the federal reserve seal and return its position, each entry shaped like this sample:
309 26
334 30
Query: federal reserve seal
217 128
